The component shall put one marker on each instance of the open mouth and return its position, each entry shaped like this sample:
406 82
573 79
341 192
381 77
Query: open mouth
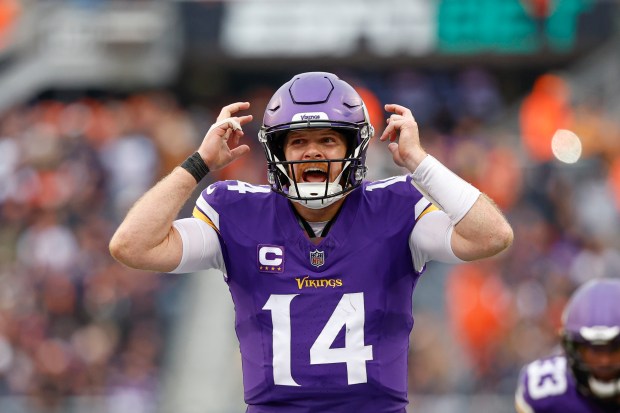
604 374
314 174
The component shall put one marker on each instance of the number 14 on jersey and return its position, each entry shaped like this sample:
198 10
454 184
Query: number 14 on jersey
349 313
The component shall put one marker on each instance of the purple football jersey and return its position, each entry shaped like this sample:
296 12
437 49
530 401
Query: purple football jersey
547 386
321 327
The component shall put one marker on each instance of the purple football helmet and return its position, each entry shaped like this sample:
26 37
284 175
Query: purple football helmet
315 100
591 320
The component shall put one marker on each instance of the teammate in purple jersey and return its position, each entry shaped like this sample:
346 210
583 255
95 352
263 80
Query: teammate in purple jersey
321 265
586 378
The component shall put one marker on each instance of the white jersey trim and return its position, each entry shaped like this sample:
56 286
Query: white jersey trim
209 211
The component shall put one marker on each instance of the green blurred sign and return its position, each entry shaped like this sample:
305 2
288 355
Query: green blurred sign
508 26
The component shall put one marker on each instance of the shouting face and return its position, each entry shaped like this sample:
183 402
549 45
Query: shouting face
315 145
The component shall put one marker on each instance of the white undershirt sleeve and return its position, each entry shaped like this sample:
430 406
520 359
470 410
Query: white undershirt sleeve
430 240
201 246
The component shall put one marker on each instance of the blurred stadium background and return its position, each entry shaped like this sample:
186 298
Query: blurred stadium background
99 99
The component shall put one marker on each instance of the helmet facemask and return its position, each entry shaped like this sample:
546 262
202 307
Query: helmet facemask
601 381
315 195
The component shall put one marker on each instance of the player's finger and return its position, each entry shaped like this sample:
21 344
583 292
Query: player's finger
390 135
236 136
395 118
398 109
387 131
245 119
229 110
239 151
392 131
393 147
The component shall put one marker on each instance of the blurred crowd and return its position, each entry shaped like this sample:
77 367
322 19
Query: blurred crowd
503 312
75 323
72 321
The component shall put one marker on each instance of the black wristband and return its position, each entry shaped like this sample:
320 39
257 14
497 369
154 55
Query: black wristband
196 166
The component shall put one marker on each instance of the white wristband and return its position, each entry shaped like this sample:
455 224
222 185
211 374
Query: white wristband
444 188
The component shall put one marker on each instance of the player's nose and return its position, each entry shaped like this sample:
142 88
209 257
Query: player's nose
313 151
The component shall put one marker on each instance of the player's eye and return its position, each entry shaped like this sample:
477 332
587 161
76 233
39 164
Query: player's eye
329 139
295 142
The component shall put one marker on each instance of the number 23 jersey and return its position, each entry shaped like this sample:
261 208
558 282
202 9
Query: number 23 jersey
321 327
547 386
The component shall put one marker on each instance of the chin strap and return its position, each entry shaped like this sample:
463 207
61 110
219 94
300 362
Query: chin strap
315 201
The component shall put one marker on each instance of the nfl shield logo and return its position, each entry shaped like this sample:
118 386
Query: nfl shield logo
317 258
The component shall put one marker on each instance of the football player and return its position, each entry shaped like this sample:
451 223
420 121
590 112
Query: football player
586 378
320 263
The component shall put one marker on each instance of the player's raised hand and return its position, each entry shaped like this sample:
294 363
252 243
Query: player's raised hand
220 145
402 132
